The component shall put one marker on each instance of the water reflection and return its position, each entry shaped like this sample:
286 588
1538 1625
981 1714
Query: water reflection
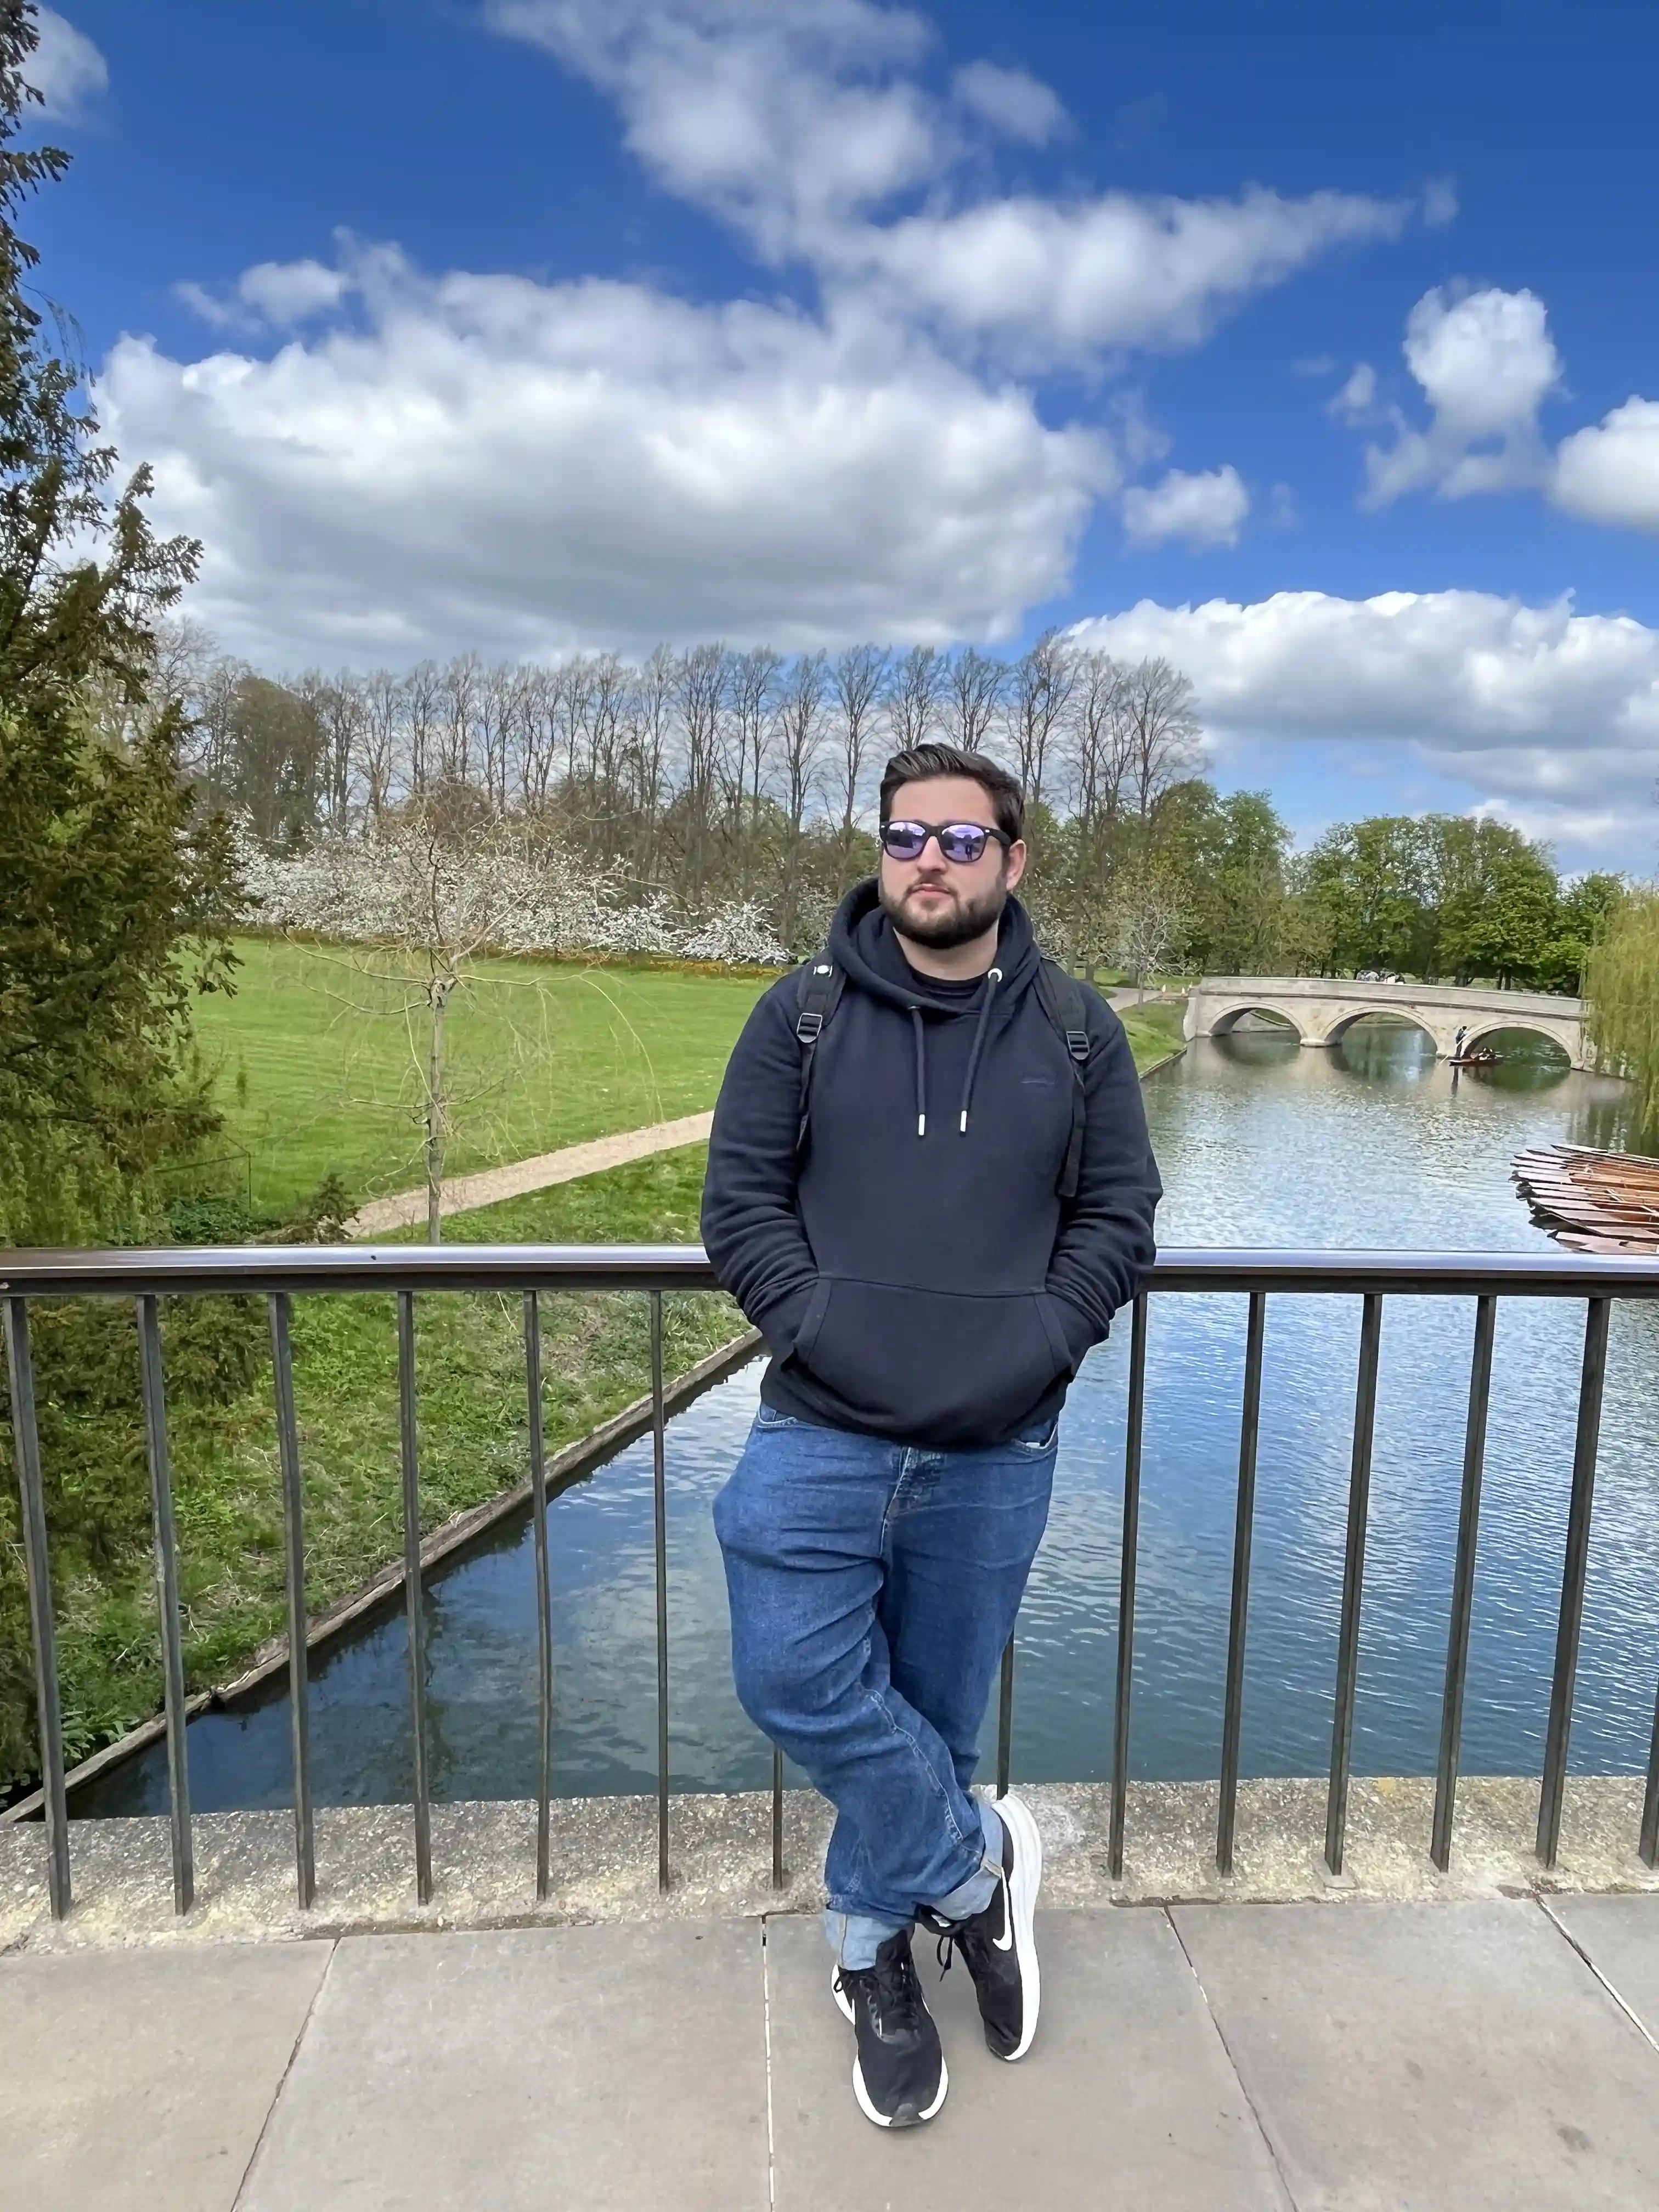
1370 1144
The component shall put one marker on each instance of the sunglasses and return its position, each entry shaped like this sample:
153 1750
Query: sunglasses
961 842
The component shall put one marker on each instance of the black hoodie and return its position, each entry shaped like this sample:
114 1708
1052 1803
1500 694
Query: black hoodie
915 1273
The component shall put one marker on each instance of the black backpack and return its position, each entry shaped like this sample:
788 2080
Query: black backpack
1060 995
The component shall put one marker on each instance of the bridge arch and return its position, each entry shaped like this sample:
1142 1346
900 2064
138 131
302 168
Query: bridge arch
1344 1022
1533 1025
1224 1024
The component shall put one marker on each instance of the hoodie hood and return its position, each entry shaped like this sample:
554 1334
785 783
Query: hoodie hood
865 944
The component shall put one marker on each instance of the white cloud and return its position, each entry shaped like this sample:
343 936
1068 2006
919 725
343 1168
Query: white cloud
1200 510
1548 713
1012 102
457 460
487 461
1050 284
275 294
1440 202
1357 401
1610 472
1485 363
784 119
807 126
66 68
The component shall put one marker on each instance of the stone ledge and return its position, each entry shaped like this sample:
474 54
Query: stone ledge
606 1859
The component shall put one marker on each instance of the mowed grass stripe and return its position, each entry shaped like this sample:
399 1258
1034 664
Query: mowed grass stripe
318 1063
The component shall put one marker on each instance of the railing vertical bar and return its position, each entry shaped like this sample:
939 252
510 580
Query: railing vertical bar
1126 1594
37 1568
1006 1718
660 1493
777 1818
1243 1528
1649 1841
1577 1559
1649 1844
299 1673
1353 1579
1462 1601
532 1362
413 1594
167 1593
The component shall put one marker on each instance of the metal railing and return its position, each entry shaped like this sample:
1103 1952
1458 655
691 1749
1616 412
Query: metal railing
279 1274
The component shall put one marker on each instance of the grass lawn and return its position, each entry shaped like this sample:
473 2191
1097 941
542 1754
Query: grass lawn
1153 1031
317 1066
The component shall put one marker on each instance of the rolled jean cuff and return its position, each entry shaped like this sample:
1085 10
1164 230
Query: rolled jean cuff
855 1937
973 1895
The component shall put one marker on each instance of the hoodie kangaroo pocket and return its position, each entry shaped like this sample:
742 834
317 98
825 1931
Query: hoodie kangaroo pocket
933 1366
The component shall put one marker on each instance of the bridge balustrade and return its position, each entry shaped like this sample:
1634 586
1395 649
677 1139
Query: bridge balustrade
279 1274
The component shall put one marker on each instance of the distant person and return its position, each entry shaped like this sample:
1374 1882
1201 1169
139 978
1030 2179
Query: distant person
930 1187
1457 1043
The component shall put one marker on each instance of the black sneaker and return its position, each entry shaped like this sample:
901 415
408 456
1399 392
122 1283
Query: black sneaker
998 1944
898 2075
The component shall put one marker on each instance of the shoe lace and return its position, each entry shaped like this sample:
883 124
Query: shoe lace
898 1992
972 1937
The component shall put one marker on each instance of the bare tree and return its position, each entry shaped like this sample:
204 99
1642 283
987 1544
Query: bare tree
1099 753
1040 691
1146 920
976 687
702 690
801 735
752 696
856 678
648 714
377 739
424 696
1163 733
915 691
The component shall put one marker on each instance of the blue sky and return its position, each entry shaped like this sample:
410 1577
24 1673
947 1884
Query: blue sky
1309 345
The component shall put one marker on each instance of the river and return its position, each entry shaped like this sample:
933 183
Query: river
1370 1145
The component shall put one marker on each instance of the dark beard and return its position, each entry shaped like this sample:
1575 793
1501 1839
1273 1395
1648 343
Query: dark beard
954 925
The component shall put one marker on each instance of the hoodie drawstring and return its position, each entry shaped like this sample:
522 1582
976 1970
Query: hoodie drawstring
992 979
922 1073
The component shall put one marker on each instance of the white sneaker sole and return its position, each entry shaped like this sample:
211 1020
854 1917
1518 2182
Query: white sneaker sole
845 2005
1022 1901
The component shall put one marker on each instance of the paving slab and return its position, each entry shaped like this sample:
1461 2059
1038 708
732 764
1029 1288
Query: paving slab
1127 2096
584 2068
1411 2059
1619 1936
139 2080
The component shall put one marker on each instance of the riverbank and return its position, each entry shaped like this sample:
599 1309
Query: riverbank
473 1431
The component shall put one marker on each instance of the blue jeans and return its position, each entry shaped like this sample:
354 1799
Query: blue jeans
873 1587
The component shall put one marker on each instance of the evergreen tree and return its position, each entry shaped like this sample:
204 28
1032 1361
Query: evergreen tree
113 896
114 901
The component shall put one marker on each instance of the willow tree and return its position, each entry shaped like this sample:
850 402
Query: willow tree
1621 993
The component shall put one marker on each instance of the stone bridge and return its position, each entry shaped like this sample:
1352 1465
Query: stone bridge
1319 1008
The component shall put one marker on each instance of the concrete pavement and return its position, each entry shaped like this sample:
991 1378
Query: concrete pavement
1341 2056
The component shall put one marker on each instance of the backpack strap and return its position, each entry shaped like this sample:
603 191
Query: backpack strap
820 996
1060 995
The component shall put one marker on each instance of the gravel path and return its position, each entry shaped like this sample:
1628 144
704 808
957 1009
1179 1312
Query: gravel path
406 1209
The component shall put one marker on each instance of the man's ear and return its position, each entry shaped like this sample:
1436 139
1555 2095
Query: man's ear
1014 866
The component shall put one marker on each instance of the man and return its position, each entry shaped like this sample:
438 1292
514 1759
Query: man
930 1202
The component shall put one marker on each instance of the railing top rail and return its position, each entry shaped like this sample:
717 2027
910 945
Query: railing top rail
177 1270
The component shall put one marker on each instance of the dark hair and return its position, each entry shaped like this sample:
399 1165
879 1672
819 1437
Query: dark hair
922 763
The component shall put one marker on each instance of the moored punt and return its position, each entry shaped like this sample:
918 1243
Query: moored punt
1592 1201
